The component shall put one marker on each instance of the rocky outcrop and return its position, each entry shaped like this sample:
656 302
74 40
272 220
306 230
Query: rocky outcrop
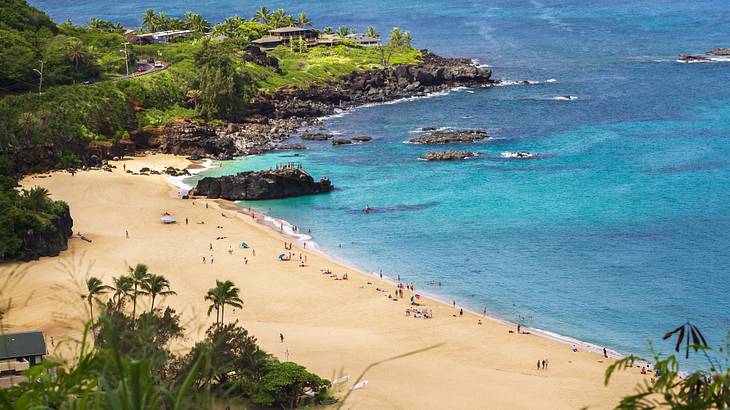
450 137
719 52
362 138
319 136
52 238
693 58
255 185
195 140
433 74
448 155
254 55
341 141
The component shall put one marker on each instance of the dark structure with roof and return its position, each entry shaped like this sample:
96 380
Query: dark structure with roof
18 352
285 35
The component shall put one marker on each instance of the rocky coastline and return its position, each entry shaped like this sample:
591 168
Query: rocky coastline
274 117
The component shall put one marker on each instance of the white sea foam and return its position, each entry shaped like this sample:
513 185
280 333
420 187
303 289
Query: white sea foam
181 181
518 154
707 60
565 98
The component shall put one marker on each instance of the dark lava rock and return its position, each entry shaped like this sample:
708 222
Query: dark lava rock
341 141
451 137
719 52
52 238
362 138
255 185
315 137
428 128
692 58
448 155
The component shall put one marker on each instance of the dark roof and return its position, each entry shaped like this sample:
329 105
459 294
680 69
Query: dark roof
267 40
22 344
289 30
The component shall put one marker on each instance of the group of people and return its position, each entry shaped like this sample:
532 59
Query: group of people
542 364
417 313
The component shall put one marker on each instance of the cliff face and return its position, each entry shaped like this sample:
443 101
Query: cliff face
51 240
257 185
433 74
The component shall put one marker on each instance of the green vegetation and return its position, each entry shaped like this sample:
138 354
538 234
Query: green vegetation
24 214
321 64
705 388
208 80
131 365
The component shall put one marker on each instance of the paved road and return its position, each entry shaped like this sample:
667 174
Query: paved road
149 69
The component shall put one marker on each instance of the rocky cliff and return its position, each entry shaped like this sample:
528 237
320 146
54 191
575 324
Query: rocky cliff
434 73
50 240
255 185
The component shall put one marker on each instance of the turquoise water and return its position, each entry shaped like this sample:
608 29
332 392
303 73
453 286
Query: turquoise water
616 233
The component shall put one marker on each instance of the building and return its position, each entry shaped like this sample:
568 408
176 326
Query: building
362 39
156 37
285 35
18 352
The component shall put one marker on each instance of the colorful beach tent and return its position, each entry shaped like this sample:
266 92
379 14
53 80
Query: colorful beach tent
244 245
281 257
168 219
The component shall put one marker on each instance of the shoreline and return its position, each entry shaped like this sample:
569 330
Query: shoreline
271 223
332 327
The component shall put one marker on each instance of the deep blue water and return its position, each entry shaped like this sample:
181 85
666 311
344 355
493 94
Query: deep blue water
617 233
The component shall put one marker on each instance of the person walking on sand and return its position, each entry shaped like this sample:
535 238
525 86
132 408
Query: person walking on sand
186 221
544 366
126 232
518 328
230 250
454 304
212 259
253 252
203 259
605 353
210 246
538 364
461 312
281 336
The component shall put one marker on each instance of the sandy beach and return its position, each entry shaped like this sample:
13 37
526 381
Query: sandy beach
333 327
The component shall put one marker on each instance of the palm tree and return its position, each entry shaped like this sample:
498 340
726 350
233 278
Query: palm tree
196 22
224 293
94 288
36 198
157 285
372 32
139 277
122 288
279 19
163 22
328 30
263 14
149 21
76 53
303 21
343 31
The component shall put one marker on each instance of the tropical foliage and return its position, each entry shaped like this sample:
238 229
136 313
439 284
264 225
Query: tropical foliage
131 365
704 388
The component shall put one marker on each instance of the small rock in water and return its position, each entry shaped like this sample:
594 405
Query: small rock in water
448 155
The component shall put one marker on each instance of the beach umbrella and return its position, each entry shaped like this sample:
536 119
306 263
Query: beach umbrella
168 219
415 298
244 245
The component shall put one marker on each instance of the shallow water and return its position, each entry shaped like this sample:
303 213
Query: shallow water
616 233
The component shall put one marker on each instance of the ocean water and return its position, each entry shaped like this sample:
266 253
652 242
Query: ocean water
617 232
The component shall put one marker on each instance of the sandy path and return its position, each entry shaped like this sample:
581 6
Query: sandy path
332 327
